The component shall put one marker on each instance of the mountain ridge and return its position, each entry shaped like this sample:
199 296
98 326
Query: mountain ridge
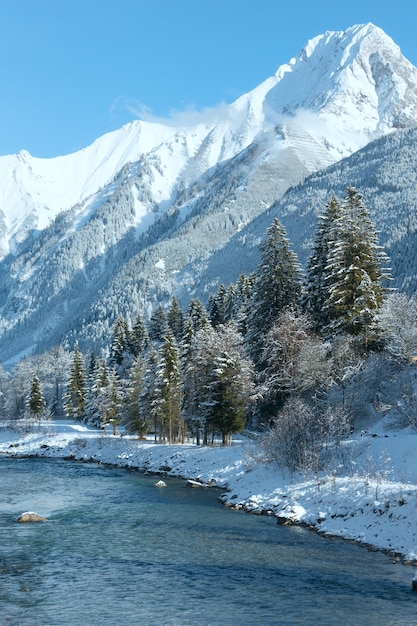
157 201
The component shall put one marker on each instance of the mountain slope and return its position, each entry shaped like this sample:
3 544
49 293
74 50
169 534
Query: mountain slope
119 226
385 173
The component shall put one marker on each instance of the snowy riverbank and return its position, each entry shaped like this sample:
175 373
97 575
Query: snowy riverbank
373 501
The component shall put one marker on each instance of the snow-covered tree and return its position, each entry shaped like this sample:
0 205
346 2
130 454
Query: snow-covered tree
148 401
36 403
135 419
119 346
137 337
105 397
317 291
296 360
218 307
75 395
167 397
354 273
218 381
197 315
241 304
398 322
277 284
158 325
4 387
52 368
175 319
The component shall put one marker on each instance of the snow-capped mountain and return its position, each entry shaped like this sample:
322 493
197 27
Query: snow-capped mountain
125 222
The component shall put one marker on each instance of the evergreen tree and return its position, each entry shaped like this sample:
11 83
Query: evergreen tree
277 285
137 337
175 319
4 388
135 419
241 306
105 398
36 402
158 325
197 314
113 397
119 342
218 380
354 273
168 391
316 292
218 307
75 396
91 415
148 401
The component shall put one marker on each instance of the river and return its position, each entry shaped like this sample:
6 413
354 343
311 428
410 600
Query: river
116 550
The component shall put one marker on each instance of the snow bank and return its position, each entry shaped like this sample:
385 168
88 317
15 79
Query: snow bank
373 501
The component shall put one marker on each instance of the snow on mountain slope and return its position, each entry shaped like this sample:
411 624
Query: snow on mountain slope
113 228
344 89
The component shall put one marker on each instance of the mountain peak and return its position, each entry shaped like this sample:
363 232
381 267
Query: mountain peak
355 80
344 40
195 184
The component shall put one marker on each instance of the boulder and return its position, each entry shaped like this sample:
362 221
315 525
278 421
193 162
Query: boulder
160 483
30 516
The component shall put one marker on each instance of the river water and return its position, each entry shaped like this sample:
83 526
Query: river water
119 551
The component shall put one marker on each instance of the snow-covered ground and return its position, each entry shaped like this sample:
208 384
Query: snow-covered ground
371 499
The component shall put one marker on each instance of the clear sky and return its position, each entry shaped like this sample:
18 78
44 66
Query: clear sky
72 70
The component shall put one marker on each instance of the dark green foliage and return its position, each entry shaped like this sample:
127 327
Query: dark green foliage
137 337
197 315
75 396
157 326
277 285
36 401
354 273
135 418
317 290
175 319
119 341
167 400
219 307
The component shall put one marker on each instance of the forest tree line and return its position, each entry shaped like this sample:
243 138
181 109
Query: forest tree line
284 352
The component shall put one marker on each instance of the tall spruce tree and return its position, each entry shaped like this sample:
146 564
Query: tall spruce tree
168 391
218 307
118 342
148 396
158 324
277 284
197 315
36 402
75 396
135 419
354 273
175 319
316 292
137 337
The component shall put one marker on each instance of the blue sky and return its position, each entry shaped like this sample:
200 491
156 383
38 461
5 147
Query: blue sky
72 71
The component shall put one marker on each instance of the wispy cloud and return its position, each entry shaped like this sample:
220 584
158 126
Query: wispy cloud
185 118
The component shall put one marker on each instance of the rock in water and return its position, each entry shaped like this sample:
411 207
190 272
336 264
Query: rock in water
30 516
